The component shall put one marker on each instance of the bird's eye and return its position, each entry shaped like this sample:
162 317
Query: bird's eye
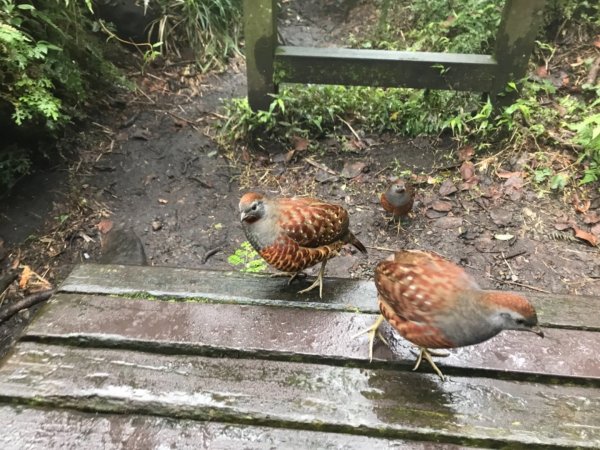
253 207
520 321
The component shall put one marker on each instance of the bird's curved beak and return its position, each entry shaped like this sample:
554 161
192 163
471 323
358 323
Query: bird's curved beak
243 216
537 330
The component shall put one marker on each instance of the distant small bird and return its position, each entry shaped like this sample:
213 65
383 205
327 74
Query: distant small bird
434 303
398 200
292 234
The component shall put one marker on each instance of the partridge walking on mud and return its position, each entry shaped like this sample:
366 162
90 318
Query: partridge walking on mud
434 303
398 200
292 234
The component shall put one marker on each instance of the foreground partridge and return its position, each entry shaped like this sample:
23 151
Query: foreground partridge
434 303
398 200
295 233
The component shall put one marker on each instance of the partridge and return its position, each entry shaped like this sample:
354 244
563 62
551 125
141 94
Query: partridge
295 233
434 303
398 200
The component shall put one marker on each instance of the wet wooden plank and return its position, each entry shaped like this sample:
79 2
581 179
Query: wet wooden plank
317 335
395 404
385 68
558 310
44 429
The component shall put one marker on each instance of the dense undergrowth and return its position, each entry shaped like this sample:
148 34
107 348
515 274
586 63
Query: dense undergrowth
555 106
56 62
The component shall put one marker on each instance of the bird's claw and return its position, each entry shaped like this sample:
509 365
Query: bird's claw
425 353
372 331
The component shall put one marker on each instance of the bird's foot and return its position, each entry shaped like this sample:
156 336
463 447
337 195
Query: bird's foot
318 282
292 276
372 331
424 353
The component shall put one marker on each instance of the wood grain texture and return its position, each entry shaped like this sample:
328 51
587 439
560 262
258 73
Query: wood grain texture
315 335
295 395
556 310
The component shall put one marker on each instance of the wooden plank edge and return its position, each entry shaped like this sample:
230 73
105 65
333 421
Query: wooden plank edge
361 294
43 428
117 342
92 405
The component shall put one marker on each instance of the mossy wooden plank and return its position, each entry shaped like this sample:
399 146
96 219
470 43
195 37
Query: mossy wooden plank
260 37
385 68
289 333
557 310
44 429
383 403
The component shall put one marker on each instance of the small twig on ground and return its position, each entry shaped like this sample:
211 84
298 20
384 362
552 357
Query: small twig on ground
145 95
351 129
183 119
25 303
533 288
383 249
508 265
210 253
380 171
323 167
514 255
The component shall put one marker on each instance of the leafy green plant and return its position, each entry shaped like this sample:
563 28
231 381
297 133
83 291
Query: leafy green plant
247 257
588 136
211 29
50 65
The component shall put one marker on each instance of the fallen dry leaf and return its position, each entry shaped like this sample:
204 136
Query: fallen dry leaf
591 218
466 153
448 222
447 188
596 230
104 226
503 237
507 175
353 169
467 171
541 72
562 226
300 143
433 214
25 277
581 206
163 201
586 236
441 206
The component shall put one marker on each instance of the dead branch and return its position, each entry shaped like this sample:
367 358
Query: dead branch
25 303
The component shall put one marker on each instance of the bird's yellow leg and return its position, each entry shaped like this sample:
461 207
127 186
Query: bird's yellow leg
372 331
292 276
424 353
318 282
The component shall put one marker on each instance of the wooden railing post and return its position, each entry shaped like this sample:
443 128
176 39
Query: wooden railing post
515 41
260 29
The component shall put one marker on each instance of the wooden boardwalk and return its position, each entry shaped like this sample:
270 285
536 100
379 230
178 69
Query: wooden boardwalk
147 357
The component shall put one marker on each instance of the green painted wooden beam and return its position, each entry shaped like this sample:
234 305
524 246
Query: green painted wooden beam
385 68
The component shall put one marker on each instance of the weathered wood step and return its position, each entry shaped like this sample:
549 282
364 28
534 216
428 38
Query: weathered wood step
43 429
316 335
564 311
383 403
